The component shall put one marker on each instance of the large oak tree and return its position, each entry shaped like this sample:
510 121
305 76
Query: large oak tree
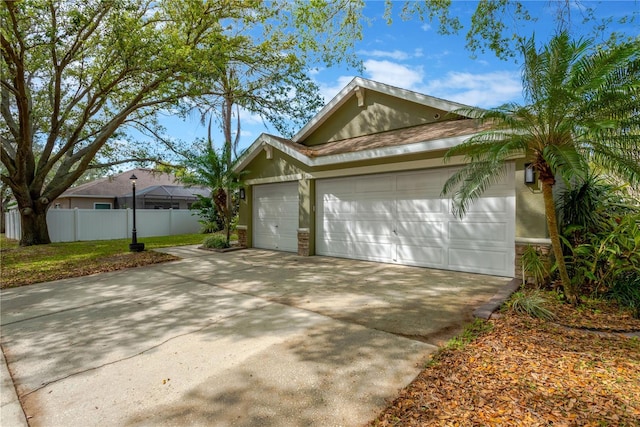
76 75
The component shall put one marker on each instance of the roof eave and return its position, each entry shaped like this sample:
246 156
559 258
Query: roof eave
355 156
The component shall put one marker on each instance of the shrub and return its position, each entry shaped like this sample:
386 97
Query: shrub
530 303
216 241
626 292
607 256
535 266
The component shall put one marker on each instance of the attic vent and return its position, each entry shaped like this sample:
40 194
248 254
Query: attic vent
269 151
360 95
436 116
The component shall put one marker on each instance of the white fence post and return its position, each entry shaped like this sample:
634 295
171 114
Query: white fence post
76 224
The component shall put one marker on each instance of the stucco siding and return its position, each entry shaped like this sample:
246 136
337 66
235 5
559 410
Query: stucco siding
530 216
380 113
278 166
82 203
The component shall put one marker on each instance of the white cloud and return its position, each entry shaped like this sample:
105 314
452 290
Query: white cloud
398 55
329 91
394 74
418 52
480 90
425 27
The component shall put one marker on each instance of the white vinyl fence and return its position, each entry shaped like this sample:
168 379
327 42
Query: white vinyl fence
69 225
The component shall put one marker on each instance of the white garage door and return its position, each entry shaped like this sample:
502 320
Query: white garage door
401 218
275 216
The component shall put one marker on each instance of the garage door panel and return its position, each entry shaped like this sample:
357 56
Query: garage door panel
429 182
421 229
491 262
478 231
337 206
337 248
406 204
368 207
379 227
374 184
488 204
425 256
335 229
371 251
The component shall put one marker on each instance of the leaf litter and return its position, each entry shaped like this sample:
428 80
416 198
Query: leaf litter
528 372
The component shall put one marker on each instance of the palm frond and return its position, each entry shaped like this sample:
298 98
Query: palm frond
565 161
468 183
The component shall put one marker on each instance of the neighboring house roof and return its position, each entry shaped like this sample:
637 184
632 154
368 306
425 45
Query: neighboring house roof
120 184
443 133
171 191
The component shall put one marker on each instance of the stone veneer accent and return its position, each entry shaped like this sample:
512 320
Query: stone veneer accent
303 241
242 235
544 249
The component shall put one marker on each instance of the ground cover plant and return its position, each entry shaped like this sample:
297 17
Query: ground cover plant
525 371
33 264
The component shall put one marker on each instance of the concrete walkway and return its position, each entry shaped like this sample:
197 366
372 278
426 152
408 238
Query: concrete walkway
247 338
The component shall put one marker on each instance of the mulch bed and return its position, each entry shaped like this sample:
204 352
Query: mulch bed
529 372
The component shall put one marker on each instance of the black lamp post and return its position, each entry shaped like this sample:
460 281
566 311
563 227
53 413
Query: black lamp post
134 246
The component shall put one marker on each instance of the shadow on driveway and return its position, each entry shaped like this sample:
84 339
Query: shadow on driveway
244 338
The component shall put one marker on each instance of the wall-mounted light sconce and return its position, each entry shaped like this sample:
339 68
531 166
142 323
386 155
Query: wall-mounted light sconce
243 195
529 174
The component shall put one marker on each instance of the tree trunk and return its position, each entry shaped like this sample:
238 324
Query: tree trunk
220 201
552 224
34 227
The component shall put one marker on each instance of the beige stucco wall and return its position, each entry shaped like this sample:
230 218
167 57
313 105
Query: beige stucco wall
81 203
279 165
530 216
307 217
380 113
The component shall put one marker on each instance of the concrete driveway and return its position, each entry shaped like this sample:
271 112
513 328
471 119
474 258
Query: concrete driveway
246 338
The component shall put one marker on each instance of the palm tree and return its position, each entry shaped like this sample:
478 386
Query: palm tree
212 170
581 106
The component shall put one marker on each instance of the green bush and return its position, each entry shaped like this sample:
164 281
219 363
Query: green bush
535 266
530 303
608 256
216 241
626 292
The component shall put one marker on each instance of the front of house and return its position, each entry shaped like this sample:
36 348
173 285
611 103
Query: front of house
363 180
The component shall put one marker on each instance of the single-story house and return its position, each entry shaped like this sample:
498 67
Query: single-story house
154 190
363 180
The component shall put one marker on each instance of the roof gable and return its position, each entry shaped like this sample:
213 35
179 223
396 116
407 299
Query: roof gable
365 107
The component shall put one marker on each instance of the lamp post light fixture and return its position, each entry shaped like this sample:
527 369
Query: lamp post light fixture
134 246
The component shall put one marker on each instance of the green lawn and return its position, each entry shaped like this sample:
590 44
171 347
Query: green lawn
26 265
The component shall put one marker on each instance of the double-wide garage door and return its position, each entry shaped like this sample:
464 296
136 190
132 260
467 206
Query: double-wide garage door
401 218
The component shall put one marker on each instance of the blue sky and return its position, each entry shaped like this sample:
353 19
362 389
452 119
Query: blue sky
412 55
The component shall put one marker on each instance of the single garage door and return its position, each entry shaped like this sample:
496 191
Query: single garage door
275 216
401 218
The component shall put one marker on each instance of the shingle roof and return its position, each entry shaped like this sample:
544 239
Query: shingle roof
119 185
172 191
426 132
